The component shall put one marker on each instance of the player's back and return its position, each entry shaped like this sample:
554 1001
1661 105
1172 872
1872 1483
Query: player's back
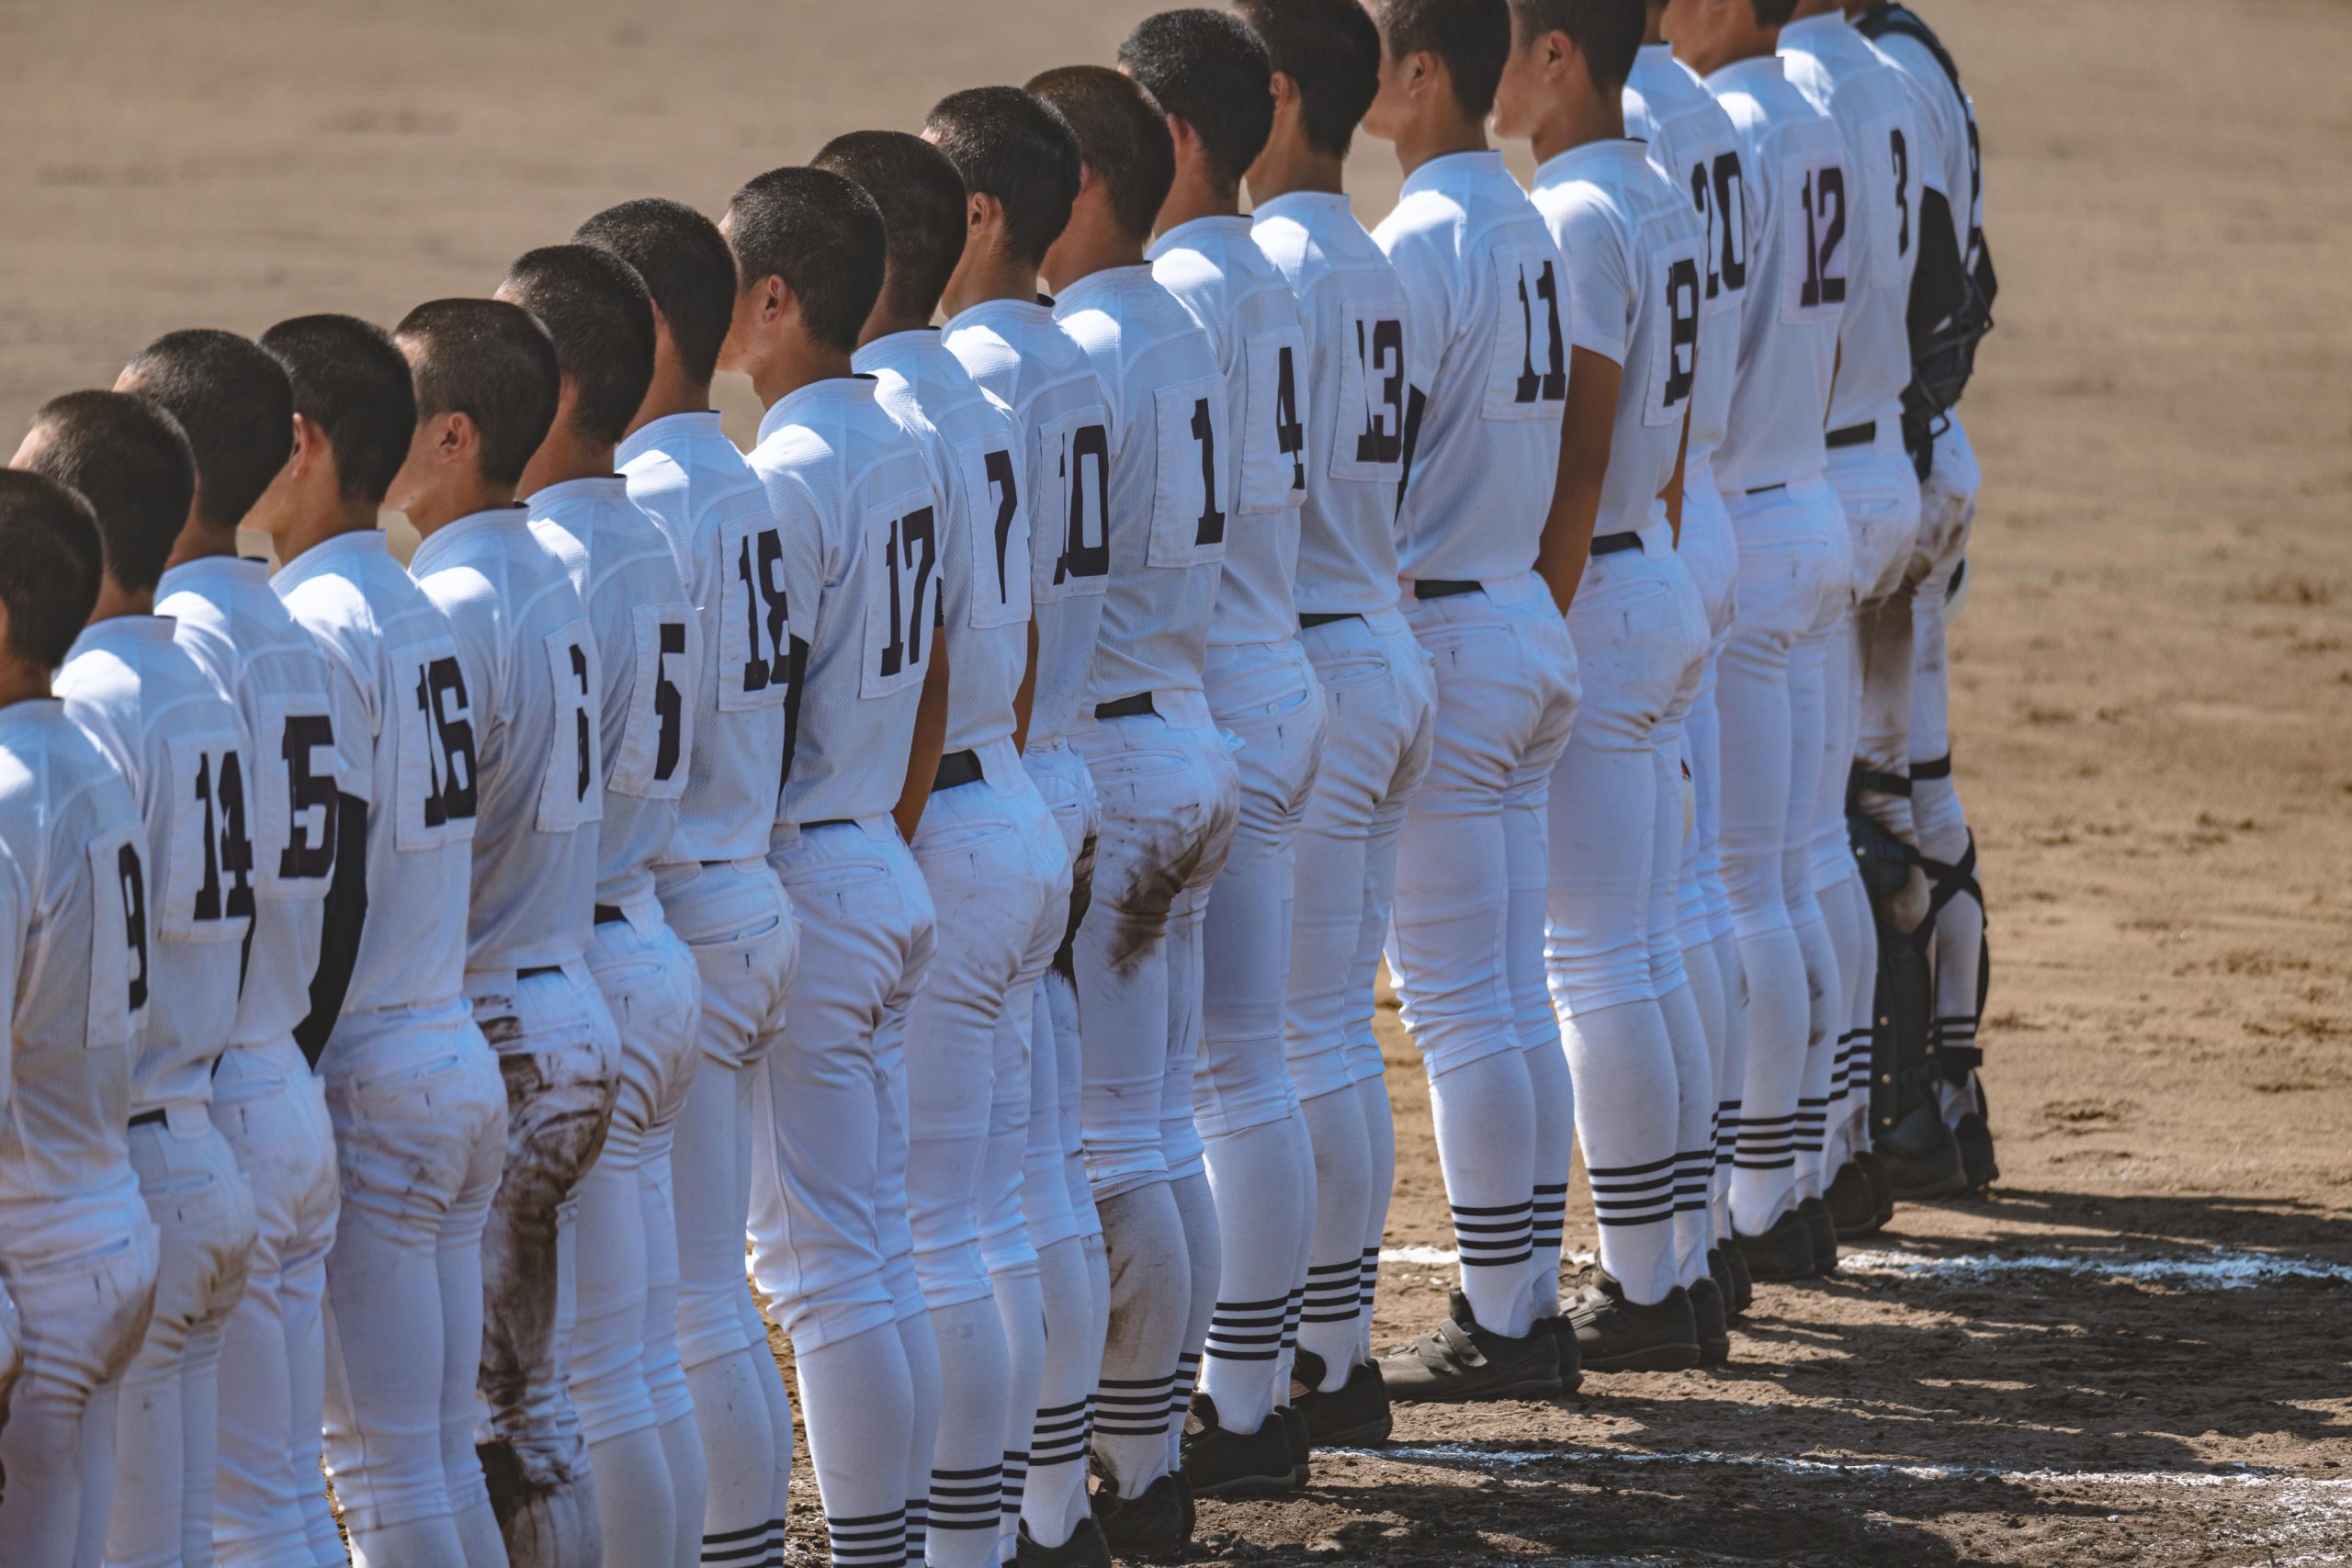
74 835
1798 216
690 479
404 707
974 444
1016 351
178 742
866 540
648 640
1488 342
524 638
1171 487
1692 143
226 617
1253 320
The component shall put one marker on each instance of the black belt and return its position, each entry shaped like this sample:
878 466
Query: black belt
829 822
148 1119
1766 490
1860 435
1610 544
1940 768
957 768
1308 621
1443 588
1125 707
607 915
536 970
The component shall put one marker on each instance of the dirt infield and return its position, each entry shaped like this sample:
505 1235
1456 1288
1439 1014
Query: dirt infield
2135 1352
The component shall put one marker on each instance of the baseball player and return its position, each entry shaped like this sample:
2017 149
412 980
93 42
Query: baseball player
1793 584
419 1113
990 852
487 394
77 1248
1325 56
1643 1081
1020 164
1488 373
236 407
598 314
868 546
1871 654
1212 76
1167 786
177 744
1691 142
716 887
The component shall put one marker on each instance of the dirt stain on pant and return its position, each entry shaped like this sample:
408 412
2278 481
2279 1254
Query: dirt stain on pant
1081 899
1166 862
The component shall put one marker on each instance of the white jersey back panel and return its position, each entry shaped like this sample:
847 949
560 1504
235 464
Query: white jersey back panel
1691 141
1837 70
225 616
404 707
867 545
974 444
1952 160
1355 310
1632 244
1171 480
1799 246
180 748
698 490
1225 283
1017 351
1488 350
82 979
649 647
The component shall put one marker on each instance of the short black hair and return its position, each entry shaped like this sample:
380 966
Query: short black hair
50 563
1472 37
600 317
823 236
234 405
494 363
920 197
1608 33
1012 145
1122 135
353 382
1774 12
1331 50
1210 71
126 457
685 264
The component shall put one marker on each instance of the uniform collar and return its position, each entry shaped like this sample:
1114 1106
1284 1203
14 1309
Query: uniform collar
591 487
1190 233
1447 167
227 571
1593 155
659 433
119 631
450 535
1805 29
894 349
1109 280
1740 72
832 389
1036 309
359 543
1305 201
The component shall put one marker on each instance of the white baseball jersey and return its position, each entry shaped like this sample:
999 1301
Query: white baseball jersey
1636 285
867 546
1171 480
226 617
1016 352
649 649
1863 92
974 444
1953 160
692 482
83 979
404 707
179 746
1488 350
538 714
1354 380
1254 323
1799 215
1692 143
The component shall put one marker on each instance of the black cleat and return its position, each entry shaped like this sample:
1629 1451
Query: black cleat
1294 1437
1719 1271
1354 1415
1974 1136
1614 1334
1084 1549
1459 1361
1783 1252
1853 1207
1922 1157
1564 1340
1874 1171
1156 1524
1742 1294
1715 1332
1824 1231
1222 1464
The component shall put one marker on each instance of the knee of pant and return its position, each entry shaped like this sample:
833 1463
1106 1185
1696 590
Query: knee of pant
1320 1069
711 1321
608 1385
1588 977
952 1275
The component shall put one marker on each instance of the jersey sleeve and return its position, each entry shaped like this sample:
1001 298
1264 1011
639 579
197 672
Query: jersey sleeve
1603 289
1429 305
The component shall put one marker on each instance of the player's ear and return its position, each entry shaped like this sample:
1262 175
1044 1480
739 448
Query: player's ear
979 211
458 439
1285 89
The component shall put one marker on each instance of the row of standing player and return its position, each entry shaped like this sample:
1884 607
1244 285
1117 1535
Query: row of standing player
941 1275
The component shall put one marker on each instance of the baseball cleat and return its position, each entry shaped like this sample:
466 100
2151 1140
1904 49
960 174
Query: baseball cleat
1354 1415
1974 1136
1614 1334
1714 1331
1823 1232
1923 1158
1783 1252
1459 1361
1222 1463
1874 1171
1158 1523
1852 1205
1727 1286
1564 1339
1302 1445
1086 1548
1743 1282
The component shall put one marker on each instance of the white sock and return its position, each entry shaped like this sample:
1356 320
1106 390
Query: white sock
1556 1148
1763 1185
1380 1141
1825 1013
1626 1105
1485 1113
739 1451
689 1481
770 1381
1731 1073
1198 1210
1149 1293
1054 1498
858 1399
1253 1176
1303 1185
1020 1295
637 1515
966 1461
919 1344
1694 1143
1342 1181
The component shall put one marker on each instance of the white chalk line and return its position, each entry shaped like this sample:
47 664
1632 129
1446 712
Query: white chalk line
1446 1257
2328 1489
2219 1270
